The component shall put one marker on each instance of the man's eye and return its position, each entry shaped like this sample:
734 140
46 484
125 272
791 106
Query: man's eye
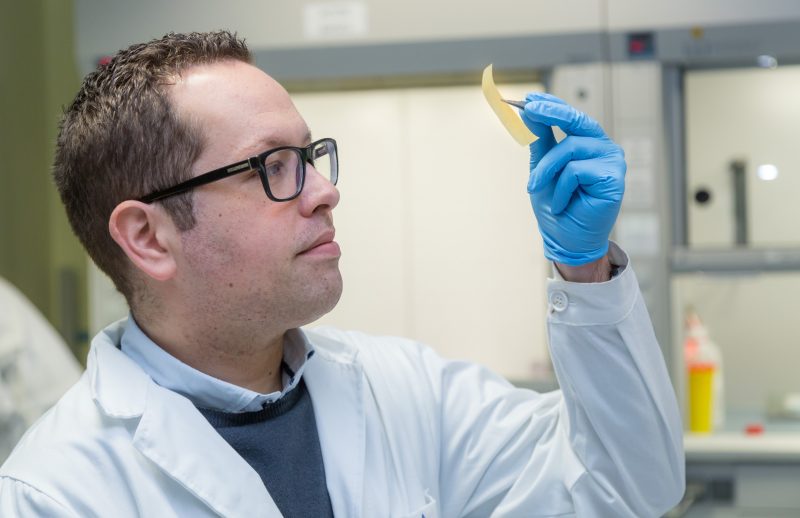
275 168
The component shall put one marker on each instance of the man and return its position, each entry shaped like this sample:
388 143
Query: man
209 399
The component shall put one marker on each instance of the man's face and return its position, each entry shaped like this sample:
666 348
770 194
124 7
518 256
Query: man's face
249 261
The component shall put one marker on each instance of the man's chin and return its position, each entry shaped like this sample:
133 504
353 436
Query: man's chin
324 302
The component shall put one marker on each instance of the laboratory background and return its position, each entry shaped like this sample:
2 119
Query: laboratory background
438 239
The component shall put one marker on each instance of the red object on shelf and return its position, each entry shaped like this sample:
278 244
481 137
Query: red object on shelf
754 429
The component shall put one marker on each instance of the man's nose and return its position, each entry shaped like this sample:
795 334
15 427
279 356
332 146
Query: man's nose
318 191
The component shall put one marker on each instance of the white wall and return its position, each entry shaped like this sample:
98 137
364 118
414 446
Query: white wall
637 14
102 27
107 26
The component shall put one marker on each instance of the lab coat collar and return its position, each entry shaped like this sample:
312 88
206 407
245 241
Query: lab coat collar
118 396
335 381
173 434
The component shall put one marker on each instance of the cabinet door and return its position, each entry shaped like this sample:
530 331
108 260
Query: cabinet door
741 129
748 119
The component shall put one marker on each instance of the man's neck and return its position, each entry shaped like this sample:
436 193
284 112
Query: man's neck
252 362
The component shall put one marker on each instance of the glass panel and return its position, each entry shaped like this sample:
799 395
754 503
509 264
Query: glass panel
322 157
743 165
753 320
283 169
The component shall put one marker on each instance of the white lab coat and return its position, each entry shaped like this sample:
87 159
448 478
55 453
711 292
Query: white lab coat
403 432
36 366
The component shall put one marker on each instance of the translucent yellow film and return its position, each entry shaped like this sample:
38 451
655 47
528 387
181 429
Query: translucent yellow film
505 112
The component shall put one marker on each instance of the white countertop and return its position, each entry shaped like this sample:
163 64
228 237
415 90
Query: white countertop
731 446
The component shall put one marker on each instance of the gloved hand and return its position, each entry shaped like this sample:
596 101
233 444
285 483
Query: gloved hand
576 185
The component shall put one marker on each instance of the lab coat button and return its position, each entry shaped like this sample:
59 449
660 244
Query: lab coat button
559 300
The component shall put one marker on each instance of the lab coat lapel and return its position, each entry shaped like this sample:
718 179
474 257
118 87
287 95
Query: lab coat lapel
174 435
335 382
177 438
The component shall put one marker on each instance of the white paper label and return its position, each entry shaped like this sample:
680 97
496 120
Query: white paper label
335 20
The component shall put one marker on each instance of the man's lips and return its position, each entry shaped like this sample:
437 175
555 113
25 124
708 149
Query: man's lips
323 244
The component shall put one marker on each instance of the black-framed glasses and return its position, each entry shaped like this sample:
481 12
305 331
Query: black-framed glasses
282 171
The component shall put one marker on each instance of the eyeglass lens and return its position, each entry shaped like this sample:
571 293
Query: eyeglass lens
284 168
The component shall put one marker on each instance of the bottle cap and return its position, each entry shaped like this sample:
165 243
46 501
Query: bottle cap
702 367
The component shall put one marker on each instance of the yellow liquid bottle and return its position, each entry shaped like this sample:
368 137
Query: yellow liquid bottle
701 397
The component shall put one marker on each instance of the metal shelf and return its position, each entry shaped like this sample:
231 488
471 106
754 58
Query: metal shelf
737 260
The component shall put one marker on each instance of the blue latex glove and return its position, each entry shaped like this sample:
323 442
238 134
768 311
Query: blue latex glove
576 185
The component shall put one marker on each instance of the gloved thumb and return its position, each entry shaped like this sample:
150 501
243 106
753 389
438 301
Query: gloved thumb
546 139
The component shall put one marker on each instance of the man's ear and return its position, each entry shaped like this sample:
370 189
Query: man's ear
147 235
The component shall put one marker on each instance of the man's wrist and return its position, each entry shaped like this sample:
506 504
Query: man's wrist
597 271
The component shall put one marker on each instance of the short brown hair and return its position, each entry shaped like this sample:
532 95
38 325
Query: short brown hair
121 139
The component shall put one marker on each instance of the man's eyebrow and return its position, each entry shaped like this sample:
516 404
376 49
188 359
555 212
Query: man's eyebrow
280 141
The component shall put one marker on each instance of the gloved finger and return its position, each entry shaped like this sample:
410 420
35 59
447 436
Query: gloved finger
540 130
541 146
546 139
537 128
571 148
542 96
570 120
575 174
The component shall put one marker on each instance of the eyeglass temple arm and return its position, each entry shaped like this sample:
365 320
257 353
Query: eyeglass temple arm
211 176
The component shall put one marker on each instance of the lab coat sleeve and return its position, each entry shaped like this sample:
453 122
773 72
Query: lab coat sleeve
36 361
36 366
18 499
609 443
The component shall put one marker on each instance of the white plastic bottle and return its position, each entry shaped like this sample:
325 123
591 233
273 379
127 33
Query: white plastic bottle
700 350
